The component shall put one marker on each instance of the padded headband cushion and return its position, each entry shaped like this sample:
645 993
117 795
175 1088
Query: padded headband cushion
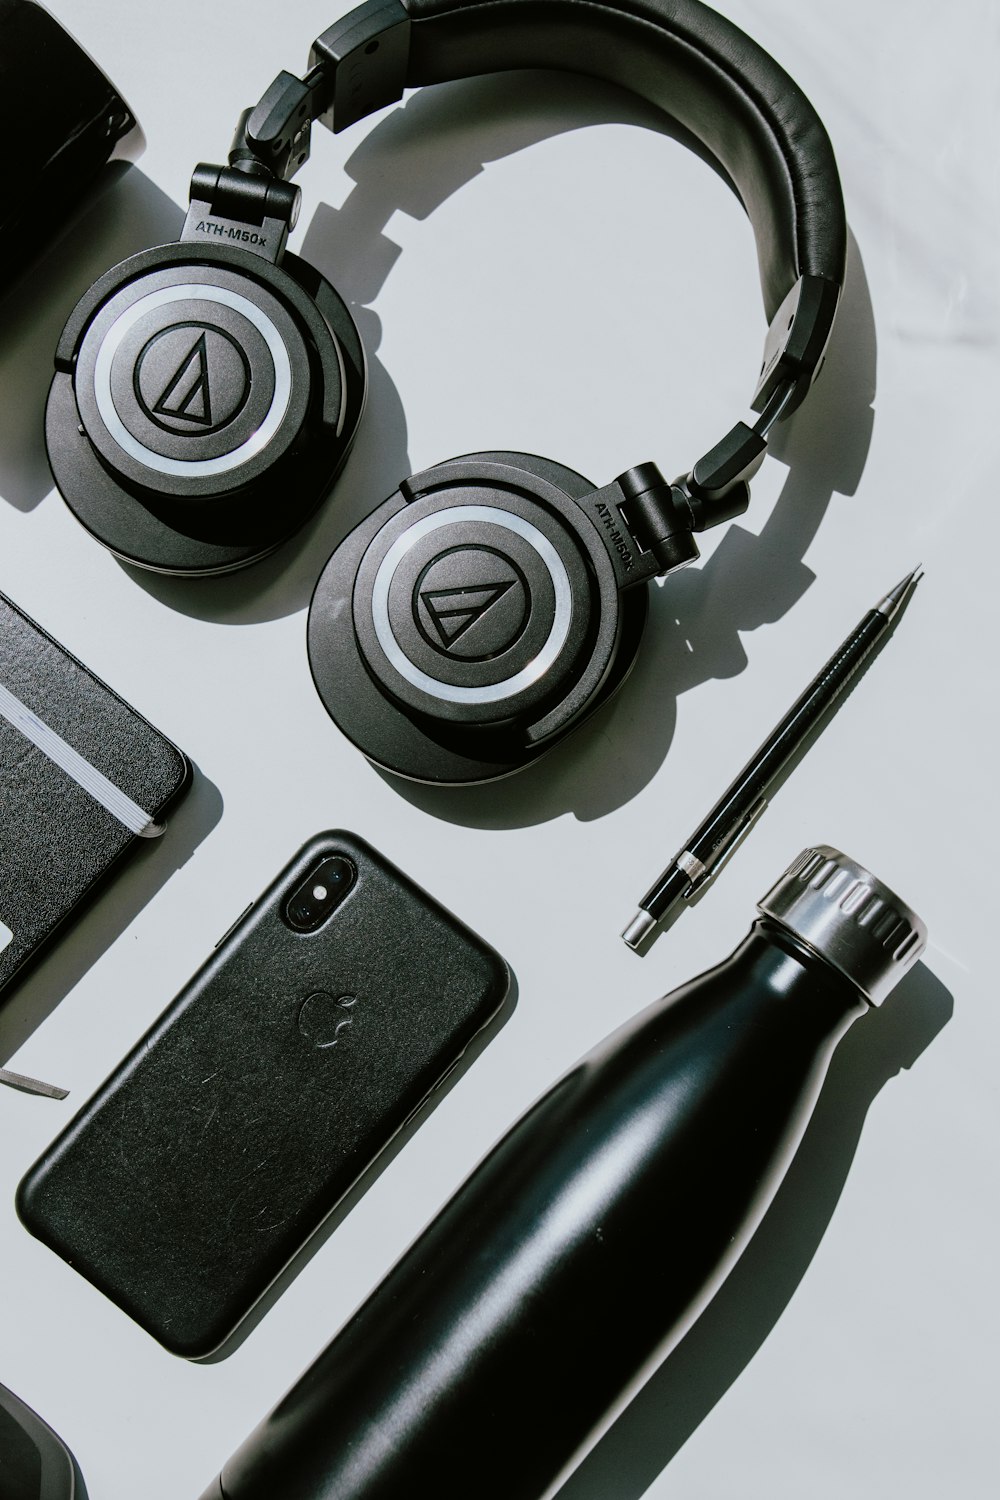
696 66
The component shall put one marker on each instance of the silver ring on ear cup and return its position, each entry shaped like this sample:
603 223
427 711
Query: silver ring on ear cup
225 462
490 692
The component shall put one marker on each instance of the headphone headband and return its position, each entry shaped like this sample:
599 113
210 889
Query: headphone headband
680 56
686 60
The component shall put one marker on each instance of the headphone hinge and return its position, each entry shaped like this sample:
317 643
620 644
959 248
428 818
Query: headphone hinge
645 524
717 489
275 135
249 210
358 65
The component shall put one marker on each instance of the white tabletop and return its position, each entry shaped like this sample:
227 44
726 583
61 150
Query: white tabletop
532 270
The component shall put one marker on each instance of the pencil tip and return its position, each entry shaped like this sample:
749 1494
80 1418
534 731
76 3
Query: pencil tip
897 597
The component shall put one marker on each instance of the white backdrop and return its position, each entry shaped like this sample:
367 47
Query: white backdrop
535 266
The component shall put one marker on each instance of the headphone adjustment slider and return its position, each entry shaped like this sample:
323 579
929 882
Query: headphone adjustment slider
796 342
364 58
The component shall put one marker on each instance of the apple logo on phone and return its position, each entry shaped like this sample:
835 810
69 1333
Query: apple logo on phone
324 1020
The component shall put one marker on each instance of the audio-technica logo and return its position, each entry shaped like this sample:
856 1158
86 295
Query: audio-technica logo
454 611
191 379
187 394
471 602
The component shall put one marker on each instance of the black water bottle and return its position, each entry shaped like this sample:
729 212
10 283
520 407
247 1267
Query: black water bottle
499 1348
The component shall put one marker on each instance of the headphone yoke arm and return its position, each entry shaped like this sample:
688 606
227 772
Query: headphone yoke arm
236 207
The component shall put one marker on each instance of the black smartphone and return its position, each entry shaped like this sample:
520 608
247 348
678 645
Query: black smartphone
326 1015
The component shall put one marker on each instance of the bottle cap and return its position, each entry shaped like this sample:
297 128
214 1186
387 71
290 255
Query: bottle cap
857 924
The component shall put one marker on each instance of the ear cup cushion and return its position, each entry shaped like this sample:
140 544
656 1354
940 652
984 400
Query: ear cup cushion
339 321
175 527
397 738
696 66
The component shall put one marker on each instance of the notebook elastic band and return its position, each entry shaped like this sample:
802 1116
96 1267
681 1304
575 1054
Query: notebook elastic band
75 765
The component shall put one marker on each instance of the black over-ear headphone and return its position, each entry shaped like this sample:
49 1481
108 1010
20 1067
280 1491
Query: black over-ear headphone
208 392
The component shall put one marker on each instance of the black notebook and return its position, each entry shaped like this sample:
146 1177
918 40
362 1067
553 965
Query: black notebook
82 778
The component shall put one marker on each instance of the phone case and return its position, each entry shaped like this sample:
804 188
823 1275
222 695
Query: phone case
209 1157
57 841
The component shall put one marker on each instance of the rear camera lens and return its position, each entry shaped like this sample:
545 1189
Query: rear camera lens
320 894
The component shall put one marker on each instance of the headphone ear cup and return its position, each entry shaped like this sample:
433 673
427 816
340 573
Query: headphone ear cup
203 402
470 622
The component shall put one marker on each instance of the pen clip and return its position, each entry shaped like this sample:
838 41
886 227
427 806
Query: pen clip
700 872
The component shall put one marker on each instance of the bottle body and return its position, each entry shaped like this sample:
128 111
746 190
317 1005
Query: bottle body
496 1351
